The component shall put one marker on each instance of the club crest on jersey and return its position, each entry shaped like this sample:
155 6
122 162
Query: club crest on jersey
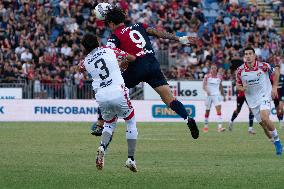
258 74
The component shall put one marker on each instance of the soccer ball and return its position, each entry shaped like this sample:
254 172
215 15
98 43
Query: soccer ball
101 10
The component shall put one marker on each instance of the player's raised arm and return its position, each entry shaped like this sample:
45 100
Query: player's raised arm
165 35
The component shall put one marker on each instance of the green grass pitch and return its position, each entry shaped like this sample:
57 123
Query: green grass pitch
62 155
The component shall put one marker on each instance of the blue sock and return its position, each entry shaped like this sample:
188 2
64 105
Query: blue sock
178 107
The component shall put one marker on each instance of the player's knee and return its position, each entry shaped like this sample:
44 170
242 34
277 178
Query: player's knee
131 133
265 120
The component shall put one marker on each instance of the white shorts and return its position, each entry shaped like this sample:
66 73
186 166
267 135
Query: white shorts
216 100
265 105
114 102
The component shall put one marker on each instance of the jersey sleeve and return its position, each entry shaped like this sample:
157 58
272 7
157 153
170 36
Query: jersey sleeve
268 68
120 54
238 77
113 41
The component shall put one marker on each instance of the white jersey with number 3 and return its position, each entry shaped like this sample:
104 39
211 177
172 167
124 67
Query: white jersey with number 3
102 65
108 84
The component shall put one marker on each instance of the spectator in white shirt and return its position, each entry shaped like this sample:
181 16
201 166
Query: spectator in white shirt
20 49
65 50
26 55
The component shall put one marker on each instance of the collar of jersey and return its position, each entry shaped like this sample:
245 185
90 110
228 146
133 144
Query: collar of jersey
254 67
119 27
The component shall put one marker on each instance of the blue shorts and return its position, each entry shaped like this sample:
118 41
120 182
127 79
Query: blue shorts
145 69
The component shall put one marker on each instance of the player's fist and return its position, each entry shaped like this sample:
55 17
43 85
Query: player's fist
124 66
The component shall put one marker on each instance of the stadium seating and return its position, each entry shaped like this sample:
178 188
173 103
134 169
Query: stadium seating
38 25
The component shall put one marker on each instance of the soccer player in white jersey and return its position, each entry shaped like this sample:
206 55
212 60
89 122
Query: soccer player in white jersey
104 65
253 78
212 85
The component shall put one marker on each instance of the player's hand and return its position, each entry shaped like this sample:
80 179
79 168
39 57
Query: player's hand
186 40
124 65
274 93
245 86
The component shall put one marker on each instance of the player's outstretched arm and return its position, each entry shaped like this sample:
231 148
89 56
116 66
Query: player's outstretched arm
165 35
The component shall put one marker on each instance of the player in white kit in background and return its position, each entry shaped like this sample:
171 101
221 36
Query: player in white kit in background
253 78
104 65
212 85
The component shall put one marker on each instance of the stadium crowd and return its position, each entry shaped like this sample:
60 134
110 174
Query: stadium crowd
40 40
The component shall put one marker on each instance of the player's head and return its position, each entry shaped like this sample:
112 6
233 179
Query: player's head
89 42
249 55
213 68
115 17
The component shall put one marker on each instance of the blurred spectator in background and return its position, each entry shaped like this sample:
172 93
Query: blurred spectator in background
40 40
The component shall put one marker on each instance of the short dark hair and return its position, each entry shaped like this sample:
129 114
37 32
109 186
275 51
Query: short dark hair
249 48
115 15
89 42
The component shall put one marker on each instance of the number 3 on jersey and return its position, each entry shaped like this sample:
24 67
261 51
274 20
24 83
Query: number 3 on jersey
140 41
102 67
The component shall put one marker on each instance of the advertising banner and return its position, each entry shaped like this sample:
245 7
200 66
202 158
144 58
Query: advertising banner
86 111
10 93
187 90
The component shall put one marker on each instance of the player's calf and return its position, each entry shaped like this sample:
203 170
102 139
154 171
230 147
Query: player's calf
100 158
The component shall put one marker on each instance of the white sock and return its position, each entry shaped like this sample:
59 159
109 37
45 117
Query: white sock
275 135
219 120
